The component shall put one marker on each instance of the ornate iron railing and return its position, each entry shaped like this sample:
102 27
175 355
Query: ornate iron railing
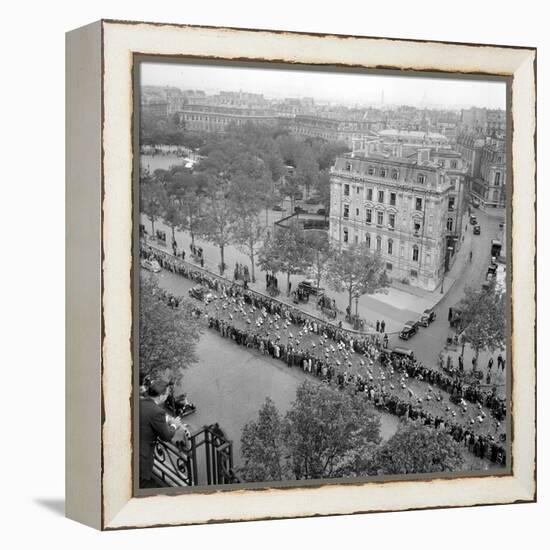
181 465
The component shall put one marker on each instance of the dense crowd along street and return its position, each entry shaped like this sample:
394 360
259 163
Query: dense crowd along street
398 385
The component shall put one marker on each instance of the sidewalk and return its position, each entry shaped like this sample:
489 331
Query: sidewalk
397 305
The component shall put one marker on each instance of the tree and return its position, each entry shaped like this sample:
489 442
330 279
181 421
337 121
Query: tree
307 171
417 449
356 270
262 446
285 251
173 216
249 233
483 319
325 433
153 201
328 431
320 251
167 336
218 218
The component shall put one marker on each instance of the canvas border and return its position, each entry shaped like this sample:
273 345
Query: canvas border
121 42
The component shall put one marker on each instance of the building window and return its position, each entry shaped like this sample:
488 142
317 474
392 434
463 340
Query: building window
369 194
414 273
393 198
415 253
453 164
380 196
346 236
357 212
451 205
416 227
389 266
348 166
394 174
356 239
428 259
367 239
370 171
391 221
346 210
421 178
380 218
390 246
382 172
497 178
449 224
418 205
402 251
346 190
368 218
358 190
379 244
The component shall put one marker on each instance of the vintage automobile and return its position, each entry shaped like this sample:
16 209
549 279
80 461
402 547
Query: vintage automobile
150 265
277 208
310 286
409 330
427 317
322 212
178 405
473 219
201 293
299 210
477 229
475 202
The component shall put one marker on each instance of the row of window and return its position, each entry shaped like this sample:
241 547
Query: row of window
389 246
384 173
381 196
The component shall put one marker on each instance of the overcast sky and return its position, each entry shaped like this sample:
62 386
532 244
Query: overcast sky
340 87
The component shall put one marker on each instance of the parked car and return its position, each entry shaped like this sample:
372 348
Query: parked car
409 330
477 229
475 203
299 210
310 286
201 293
427 317
473 219
150 265
322 212
277 208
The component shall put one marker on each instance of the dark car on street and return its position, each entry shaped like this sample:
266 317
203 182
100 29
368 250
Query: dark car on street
409 330
201 293
473 219
277 208
477 229
310 286
299 210
427 317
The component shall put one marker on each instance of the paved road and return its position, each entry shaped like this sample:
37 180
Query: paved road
428 342
230 383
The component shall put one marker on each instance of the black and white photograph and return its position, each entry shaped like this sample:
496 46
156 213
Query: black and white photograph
322 277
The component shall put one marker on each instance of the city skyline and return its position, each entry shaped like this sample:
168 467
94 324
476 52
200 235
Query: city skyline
345 88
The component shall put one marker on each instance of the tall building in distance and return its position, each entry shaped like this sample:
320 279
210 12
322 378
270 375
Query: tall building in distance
407 204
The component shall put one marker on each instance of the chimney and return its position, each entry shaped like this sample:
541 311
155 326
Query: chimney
423 155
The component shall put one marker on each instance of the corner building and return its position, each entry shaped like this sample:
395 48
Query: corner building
410 209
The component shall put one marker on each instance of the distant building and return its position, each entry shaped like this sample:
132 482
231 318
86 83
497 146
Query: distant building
411 137
156 108
489 122
330 129
216 118
407 208
489 185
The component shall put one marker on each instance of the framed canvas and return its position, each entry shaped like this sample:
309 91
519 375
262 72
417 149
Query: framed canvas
300 274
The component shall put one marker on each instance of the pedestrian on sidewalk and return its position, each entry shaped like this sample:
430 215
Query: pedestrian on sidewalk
385 341
289 287
474 363
183 254
202 262
382 326
470 255
488 379
499 361
450 316
460 363
490 364
377 325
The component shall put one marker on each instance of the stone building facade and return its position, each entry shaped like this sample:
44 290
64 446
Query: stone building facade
408 209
